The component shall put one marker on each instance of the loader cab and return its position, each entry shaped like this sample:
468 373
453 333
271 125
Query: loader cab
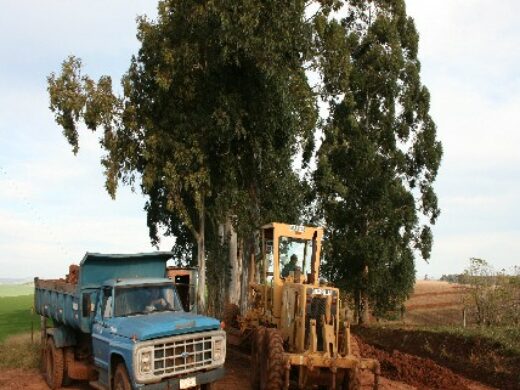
289 253
185 280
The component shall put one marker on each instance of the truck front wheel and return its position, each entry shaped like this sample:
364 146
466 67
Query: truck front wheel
54 365
121 380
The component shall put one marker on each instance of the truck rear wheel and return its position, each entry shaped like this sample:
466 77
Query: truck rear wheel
54 365
257 357
121 380
273 376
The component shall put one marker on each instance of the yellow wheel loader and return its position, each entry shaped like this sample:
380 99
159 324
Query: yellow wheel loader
296 326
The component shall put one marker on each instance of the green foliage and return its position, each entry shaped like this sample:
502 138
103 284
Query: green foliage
380 154
451 278
16 315
494 295
215 106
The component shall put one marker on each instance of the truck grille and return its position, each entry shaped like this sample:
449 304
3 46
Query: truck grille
182 356
179 355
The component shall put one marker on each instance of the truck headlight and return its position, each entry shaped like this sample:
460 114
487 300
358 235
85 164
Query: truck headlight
219 351
146 361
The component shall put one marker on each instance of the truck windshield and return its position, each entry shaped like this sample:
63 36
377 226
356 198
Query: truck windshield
133 300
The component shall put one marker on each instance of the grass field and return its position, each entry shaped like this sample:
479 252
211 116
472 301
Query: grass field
16 302
14 290
16 315
16 318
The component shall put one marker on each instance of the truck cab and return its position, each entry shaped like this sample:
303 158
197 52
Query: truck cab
123 326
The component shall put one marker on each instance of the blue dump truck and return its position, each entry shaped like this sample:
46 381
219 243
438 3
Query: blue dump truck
118 323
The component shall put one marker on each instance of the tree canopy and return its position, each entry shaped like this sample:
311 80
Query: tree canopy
379 156
214 107
217 106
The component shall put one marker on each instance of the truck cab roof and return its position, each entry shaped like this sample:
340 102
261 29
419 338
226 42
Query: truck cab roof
97 268
136 282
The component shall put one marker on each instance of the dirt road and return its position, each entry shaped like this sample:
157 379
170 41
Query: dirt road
238 369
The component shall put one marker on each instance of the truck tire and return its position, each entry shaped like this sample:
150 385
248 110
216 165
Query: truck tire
43 357
54 365
121 380
257 356
274 367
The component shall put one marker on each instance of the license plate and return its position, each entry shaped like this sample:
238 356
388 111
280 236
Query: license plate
186 383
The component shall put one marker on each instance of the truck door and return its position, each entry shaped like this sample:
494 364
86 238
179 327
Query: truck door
101 331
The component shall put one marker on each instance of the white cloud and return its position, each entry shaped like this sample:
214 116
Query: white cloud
45 248
452 253
53 206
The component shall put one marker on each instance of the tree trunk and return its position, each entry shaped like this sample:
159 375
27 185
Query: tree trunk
233 295
364 313
357 306
201 262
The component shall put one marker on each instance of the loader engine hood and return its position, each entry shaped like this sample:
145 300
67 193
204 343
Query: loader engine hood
163 324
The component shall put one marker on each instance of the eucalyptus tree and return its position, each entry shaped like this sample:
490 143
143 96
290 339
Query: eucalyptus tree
380 154
213 108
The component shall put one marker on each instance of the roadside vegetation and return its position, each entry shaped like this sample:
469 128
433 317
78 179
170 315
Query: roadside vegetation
19 351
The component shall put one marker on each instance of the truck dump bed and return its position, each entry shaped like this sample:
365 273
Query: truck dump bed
58 300
70 301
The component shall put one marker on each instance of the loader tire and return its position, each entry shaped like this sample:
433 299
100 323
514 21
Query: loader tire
274 366
54 365
354 346
230 317
351 380
257 357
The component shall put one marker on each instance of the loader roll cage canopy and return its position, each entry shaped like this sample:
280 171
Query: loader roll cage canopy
289 248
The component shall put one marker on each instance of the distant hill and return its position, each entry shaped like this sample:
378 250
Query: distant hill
15 280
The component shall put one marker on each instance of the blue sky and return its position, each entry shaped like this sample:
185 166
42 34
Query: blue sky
53 206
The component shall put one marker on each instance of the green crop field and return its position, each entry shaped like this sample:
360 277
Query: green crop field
16 315
14 290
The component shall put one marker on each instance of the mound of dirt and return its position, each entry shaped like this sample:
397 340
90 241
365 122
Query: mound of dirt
476 358
413 370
